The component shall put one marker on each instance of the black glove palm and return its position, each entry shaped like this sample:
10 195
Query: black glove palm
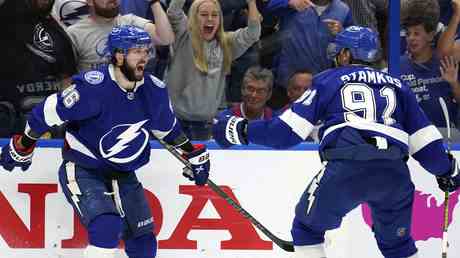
450 181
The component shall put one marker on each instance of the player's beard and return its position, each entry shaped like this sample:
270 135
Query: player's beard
106 12
130 73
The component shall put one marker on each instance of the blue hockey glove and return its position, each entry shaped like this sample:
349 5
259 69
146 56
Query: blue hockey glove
230 130
199 159
13 156
450 181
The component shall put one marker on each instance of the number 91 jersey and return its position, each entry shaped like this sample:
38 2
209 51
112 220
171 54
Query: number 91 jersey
373 102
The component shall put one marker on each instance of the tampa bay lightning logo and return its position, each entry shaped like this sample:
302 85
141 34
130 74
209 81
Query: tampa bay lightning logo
71 11
124 143
94 77
354 28
101 47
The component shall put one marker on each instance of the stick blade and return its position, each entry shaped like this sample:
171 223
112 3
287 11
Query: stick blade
285 245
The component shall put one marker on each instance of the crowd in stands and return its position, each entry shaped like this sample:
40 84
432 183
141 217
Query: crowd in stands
250 58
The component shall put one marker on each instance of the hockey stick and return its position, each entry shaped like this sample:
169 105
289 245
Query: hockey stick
445 243
283 244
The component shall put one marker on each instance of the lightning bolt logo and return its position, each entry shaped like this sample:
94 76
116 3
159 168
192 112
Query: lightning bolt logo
126 137
72 11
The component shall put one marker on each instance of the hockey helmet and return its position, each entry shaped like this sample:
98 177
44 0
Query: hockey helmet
122 38
362 42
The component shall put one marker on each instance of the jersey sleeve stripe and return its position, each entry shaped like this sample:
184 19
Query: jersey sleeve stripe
162 134
363 124
422 138
75 144
50 113
28 131
299 125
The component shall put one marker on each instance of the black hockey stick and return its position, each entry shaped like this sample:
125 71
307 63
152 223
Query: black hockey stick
283 244
445 226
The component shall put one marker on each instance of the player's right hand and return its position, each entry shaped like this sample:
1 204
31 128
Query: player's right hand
200 164
14 156
450 181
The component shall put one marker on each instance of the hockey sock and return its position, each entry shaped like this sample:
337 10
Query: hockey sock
104 231
144 246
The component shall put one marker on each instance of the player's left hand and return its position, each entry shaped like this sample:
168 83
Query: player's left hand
450 181
199 160
14 156
230 130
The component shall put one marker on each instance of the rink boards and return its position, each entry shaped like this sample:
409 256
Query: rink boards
194 222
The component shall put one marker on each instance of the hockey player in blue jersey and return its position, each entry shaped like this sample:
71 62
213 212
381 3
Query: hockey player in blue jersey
110 114
372 122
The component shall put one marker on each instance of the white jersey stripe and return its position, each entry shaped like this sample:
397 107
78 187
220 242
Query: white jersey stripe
363 124
162 134
75 144
301 126
422 138
49 111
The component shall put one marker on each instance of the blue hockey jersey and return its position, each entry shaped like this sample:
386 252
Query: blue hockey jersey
359 97
107 126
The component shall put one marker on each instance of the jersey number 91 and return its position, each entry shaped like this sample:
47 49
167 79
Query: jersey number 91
359 101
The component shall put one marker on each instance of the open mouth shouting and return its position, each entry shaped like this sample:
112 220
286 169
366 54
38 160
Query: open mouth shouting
208 31
140 68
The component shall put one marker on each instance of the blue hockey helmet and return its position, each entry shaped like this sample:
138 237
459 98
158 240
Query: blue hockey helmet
362 42
122 38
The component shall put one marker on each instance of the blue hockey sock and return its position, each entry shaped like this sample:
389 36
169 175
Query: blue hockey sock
104 231
144 246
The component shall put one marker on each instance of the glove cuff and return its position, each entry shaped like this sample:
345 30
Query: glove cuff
235 131
18 153
199 155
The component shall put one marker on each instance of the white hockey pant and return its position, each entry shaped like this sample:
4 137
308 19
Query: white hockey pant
316 251
92 251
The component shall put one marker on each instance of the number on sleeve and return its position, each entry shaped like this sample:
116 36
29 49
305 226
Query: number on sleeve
70 96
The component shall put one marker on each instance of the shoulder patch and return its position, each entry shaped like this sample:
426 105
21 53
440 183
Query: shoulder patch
94 77
157 82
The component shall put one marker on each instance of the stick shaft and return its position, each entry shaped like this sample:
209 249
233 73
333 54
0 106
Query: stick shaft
445 226
445 243
283 244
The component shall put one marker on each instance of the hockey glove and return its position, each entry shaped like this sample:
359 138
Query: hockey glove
14 156
199 160
450 181
230 130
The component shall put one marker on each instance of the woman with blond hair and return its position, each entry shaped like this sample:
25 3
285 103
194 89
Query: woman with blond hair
201 58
